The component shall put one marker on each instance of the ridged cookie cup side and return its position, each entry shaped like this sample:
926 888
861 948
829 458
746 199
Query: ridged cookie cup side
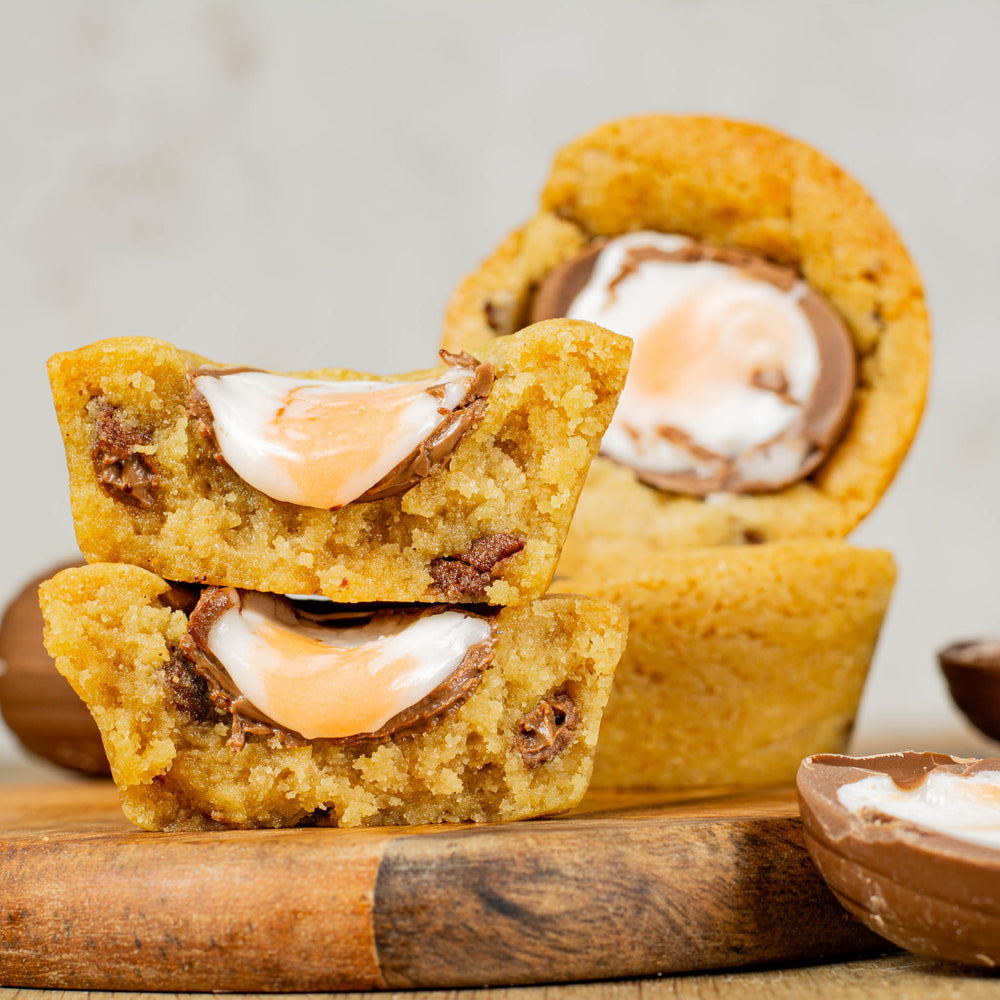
740 660
116 634
487 525
743 186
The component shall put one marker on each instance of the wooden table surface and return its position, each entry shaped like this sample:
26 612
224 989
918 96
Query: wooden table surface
894 975
898 976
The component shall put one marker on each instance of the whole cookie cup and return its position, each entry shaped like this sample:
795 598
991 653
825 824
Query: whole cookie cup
726 188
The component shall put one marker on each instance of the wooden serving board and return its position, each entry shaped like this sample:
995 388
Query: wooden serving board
623 886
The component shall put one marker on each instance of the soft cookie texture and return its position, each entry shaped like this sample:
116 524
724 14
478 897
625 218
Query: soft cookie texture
743 186
114 636
740 661
485 527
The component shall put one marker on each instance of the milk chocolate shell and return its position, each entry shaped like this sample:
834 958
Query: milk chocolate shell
972 670
921 886
38 704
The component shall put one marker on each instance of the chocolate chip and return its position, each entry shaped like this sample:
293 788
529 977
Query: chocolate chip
547 729
126 474
485 553
180 597
500 317
455 579
189 689
469 573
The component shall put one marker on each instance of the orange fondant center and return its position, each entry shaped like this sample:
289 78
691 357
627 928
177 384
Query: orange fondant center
696 349
327 443
319 688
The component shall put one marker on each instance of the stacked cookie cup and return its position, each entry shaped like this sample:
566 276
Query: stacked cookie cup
418 672
779 371
778 377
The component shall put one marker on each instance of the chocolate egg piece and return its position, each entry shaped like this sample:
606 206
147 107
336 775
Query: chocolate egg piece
910 845
742 377
37 702
972 670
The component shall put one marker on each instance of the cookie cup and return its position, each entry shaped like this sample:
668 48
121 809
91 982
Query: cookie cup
115 635
729 184
740 661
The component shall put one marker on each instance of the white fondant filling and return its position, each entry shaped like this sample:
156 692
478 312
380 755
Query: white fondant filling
341 680
259 417
711 398
965 808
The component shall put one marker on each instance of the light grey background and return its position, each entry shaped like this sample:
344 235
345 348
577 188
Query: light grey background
300 183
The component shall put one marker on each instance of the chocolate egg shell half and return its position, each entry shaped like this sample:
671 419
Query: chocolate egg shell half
36 701
927 891
972 670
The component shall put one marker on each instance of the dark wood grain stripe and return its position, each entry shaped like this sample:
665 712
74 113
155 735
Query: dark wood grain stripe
598 897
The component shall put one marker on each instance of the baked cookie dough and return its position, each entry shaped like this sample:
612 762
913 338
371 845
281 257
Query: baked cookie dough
188 470
509 733
655 226
740 661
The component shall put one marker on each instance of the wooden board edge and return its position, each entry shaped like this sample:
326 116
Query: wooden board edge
170 929
454 911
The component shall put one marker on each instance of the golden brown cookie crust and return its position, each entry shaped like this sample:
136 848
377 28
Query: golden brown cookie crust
517 472
740 660
734 184
113 637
